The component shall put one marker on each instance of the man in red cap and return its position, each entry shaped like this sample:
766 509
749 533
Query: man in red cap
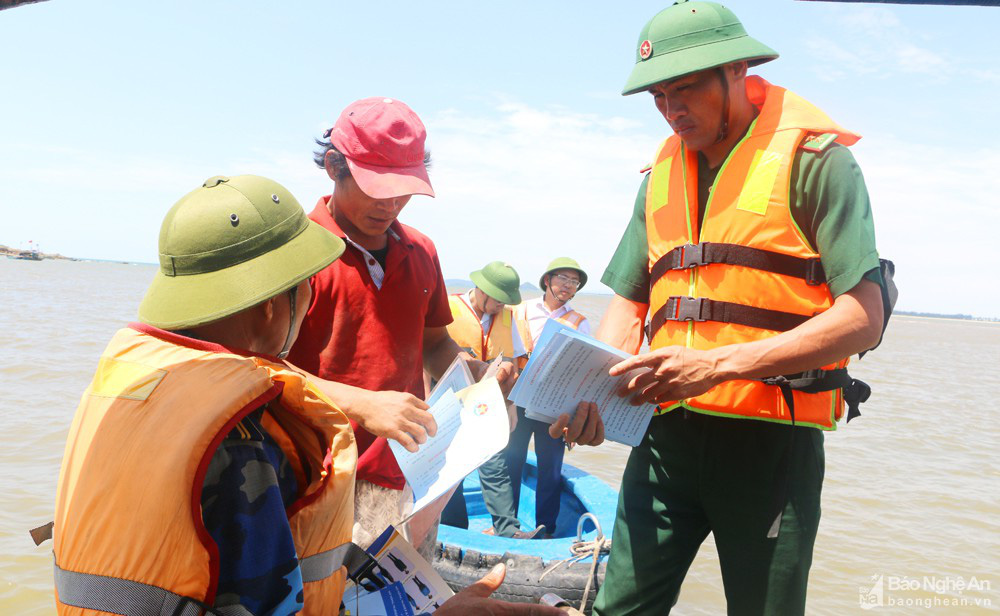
379 314
378 318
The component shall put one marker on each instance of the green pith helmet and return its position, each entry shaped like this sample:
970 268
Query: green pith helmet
500 281
229 245
563 263
689 37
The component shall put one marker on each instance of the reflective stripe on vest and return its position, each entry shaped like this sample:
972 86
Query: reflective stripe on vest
321 566
745 271
521 322
120 596
571 318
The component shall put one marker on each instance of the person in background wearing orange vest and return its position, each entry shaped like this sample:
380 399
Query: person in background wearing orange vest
202 473
483 322
559 284
483 325
751 248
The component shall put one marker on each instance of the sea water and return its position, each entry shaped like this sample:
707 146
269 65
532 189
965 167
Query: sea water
910 504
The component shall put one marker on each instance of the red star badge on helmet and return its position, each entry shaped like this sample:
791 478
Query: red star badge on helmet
645 49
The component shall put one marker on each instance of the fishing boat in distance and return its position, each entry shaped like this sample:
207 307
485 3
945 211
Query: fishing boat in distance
31 254
563 565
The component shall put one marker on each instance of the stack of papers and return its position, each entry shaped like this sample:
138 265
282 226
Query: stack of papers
567 368
456 378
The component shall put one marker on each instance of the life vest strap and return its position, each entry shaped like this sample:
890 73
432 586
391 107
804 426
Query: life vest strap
815 381
120 596
321 566
811 381
680 308
707 253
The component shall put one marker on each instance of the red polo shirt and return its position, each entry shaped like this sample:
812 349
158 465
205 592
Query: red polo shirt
358 334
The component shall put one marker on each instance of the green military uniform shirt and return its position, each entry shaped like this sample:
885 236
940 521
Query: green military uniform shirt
829 202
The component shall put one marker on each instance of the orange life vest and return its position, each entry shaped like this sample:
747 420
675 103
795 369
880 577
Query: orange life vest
129 536
467 330
570 318
745 272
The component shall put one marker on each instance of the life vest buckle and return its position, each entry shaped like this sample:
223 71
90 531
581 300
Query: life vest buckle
681 308
815 275
692 255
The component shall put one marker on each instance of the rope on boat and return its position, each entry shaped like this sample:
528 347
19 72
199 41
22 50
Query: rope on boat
582 549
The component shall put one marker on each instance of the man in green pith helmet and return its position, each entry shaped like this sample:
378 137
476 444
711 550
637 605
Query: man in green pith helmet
752 250
192 411
483 325
559 283
483 321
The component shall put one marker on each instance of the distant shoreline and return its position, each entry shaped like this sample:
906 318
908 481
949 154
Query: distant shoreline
14 253
17 253
956 318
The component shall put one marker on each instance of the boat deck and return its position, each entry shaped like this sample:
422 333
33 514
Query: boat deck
582 493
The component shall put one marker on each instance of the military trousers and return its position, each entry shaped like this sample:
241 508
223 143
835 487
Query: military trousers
696 474
501 475
498 495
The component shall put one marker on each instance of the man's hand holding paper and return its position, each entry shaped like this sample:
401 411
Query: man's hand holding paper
503 370
471 427
583 427
395 415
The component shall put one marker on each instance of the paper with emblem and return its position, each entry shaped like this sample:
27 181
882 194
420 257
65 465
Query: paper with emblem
472 425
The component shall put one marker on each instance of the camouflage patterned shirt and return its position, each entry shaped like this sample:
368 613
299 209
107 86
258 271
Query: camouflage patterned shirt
247 488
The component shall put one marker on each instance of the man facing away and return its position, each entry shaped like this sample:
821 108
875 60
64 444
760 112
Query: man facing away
752 250
201 473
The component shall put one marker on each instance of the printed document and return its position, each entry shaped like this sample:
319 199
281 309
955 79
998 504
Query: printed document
568 367
472 425
401 583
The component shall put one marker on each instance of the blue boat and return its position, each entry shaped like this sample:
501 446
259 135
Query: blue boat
465 555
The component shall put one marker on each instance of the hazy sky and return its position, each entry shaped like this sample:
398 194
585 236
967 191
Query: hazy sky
113 110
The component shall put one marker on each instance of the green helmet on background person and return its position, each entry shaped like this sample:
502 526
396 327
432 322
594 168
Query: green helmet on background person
563 263
499 281
689 37
229 245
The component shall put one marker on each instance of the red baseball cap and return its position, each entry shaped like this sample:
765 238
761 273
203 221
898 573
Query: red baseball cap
383 141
